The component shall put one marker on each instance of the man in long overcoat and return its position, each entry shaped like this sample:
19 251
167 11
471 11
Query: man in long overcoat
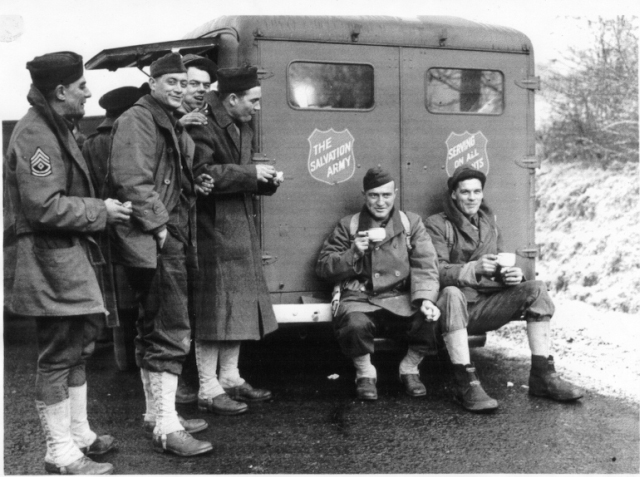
232 299
56 213
390 283
151 157
479 295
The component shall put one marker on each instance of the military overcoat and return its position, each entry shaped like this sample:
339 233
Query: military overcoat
232 300
394 275
148 153
55 213
460 244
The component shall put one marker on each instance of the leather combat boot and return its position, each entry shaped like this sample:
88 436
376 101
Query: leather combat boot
246 392
103 444
223 405
186 394
413 386
469 392
82 466
545 382
192 426
366 389
63 455
180 443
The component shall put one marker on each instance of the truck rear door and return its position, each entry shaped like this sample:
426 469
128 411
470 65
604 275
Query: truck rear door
464 108
329 114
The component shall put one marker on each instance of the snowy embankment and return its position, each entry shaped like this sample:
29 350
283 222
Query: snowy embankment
587 226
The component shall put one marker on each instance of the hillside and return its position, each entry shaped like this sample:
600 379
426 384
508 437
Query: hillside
587 226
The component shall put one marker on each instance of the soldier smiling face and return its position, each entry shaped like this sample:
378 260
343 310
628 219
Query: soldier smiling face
379 201
169 89
198 83
468 196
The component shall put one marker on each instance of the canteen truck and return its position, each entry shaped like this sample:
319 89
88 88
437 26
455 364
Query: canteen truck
418 96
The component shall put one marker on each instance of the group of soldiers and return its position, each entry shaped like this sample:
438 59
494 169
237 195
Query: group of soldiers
153 221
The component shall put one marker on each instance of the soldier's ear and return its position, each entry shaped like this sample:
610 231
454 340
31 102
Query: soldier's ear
60 92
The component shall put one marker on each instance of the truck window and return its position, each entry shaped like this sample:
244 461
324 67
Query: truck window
464 91
315 85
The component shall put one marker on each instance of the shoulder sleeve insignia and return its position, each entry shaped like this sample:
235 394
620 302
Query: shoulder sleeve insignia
40 164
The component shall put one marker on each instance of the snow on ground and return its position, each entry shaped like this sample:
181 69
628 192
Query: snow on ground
594 348
587 223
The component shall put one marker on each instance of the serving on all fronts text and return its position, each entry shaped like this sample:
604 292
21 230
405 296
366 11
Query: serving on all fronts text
467 150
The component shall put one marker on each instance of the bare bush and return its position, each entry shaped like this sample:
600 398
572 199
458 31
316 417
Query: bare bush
593 94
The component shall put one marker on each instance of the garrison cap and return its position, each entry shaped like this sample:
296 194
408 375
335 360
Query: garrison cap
233 80
169 63
118 100
464 173
375 177
201 63
50 70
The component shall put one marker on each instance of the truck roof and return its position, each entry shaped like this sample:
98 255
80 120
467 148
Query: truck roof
422 31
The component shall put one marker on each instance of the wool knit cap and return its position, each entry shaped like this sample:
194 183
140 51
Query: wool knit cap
119 100
375 177
50 70
169 63
201 63
235 80
464 173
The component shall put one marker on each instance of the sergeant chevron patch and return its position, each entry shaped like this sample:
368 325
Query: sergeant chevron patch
40 164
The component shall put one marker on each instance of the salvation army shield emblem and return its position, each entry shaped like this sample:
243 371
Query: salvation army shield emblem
331 158
467 150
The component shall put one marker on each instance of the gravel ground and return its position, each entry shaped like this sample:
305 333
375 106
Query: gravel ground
596 349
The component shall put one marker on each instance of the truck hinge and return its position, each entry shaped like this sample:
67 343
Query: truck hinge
268 258
528 252
265 74
530 82
528 162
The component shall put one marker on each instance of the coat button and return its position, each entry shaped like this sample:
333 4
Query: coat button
91 216
377 248
397 274
169 150
167 181
376 275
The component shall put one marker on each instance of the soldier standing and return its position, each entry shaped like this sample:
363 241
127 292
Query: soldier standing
151 157
56 213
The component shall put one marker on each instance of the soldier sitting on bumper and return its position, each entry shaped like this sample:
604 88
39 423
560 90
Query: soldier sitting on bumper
391 283
477 296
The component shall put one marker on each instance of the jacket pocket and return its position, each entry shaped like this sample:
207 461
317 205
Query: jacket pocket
67 273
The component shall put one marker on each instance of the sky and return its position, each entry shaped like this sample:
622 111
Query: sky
30 28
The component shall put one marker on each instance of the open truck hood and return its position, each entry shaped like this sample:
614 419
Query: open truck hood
139 56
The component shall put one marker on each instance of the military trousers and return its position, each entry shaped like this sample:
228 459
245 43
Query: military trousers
64 345
164 333
528 300
357 330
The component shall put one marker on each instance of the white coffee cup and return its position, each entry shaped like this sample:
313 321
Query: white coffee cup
506 259
376 234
